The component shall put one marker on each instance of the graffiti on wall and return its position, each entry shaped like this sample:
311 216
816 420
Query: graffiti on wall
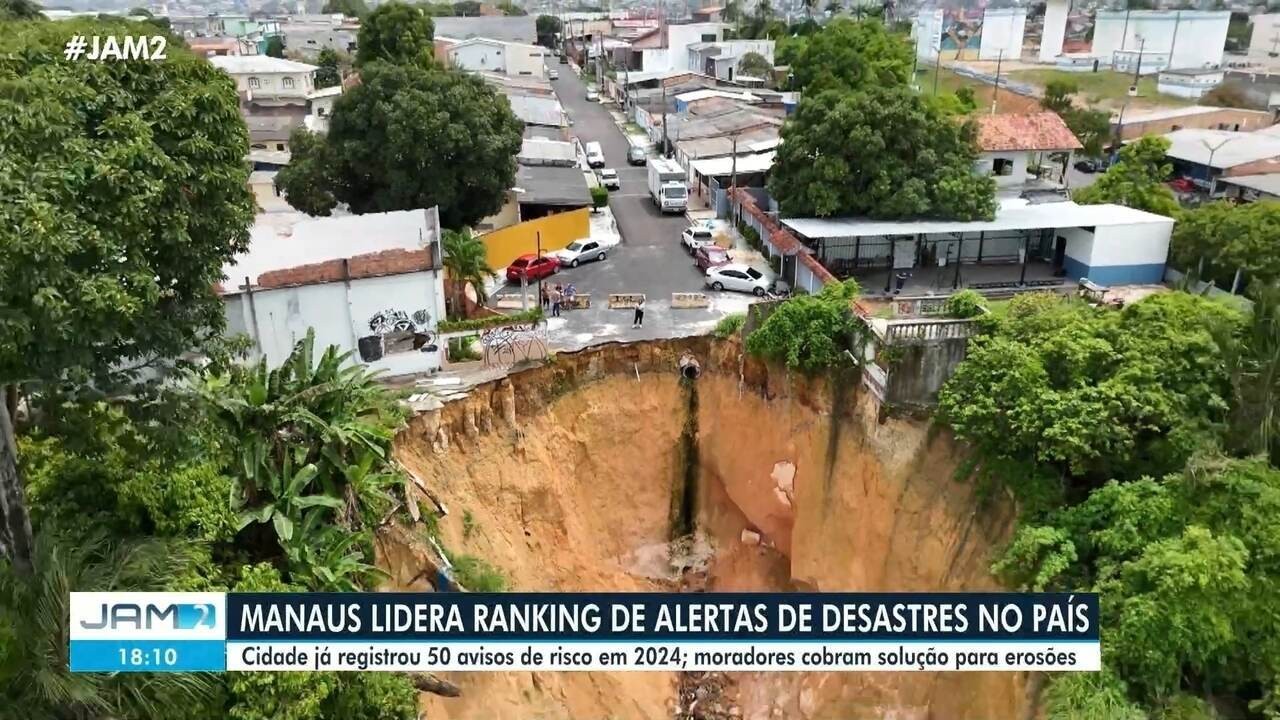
394 331
507 345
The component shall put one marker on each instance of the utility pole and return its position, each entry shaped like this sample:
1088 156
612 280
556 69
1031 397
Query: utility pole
664 118
937 68
1137 71
995 93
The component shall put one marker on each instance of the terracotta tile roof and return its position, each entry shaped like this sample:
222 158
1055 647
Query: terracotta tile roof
1030 131
781 238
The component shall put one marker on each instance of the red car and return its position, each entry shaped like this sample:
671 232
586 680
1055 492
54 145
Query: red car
709 256
531 266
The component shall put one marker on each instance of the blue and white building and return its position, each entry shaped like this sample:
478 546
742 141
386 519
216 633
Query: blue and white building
1026 245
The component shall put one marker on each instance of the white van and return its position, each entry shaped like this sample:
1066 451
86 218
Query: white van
595 156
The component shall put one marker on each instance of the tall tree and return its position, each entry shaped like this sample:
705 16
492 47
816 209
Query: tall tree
1136 179
753 64
885 152
349 8
410 137
852 55
1223 238
396 32
327 72
465 260
275 47
1091 127
118 220
548 27
20 10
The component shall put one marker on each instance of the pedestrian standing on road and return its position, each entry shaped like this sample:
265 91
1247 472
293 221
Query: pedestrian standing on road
639 318
545 292
555 301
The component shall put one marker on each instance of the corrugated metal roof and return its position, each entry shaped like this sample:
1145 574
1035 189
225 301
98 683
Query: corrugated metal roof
545 185
1025 217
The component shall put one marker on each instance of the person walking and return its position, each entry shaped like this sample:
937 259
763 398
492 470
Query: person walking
545 292
555 301
638 321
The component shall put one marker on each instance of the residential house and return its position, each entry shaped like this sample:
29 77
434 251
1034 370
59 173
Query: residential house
720 59
320 108
211 46
309 34
497 56
1007 142
369 284
265 83
666 48
712 14
1251 188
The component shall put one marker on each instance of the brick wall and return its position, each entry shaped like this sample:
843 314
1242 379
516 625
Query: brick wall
387 262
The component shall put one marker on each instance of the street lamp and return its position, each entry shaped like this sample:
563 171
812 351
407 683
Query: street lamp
1213 180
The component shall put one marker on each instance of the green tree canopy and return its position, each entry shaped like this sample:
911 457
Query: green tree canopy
1091 127
1136 179
753 64
275 47
810 333
548 27
410 137
118 217
852 55
327 72
349 8
396 32
1097 393
20 10
1230 237
884 152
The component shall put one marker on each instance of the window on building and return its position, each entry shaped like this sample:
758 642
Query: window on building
708 37
1002 166
255 83
279 146
287 83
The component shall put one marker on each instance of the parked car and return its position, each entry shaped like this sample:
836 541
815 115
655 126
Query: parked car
1088 165
554 74
609 178
737 277
579 251
595 155
532 266
696 236
709 256
637 155
564 59
592 96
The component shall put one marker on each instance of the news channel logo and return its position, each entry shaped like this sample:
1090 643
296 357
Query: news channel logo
148 615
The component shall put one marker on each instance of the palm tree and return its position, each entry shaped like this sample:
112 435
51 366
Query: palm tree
1257 370
466 260
34 614
732 11
15 524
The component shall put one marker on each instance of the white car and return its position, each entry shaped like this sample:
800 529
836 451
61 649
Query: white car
580 251
609 178
739 278
592 96
554 74
696 236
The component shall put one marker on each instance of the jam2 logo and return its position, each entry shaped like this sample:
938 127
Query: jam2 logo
148 616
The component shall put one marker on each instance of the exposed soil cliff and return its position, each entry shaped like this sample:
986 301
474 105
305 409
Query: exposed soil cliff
577 474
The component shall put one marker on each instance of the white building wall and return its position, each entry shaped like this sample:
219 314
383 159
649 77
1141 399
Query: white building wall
1265 40
342 316
1017 176
1191 38
294 84
1188 86
680 37
1055 29
928 34
1138 244
1002 31
1079 245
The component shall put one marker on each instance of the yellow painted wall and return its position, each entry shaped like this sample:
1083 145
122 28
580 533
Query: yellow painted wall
503 246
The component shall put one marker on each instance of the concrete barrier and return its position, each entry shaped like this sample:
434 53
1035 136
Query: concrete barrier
512 301
624 301
690 300
581 301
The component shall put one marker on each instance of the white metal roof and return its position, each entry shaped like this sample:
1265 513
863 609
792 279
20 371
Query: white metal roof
1268 183
1195 145
540 151
724 165
1021 217
282 240
695 95
244 64
537 110
330 91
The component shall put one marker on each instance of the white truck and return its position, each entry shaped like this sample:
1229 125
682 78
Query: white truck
666 185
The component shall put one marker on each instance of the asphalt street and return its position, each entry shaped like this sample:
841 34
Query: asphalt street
649 260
